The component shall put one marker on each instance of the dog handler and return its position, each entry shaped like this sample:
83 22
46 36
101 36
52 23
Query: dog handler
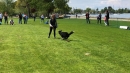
53 25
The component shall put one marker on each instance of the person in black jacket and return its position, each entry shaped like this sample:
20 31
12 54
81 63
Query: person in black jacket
107 18
87 18
53 25
99 17
20 18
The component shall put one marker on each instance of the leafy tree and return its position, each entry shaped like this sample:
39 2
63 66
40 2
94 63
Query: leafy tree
7 6
24 5
88 9
2 7
62 5
47 6
97 10
78 11
111 10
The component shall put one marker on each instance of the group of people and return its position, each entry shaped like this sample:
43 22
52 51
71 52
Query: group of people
5 18
41 17
99 18
24 17
53 21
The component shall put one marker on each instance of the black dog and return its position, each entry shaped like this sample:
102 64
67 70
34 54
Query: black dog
65 35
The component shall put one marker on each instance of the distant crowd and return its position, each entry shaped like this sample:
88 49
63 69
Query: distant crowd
22 18
99 17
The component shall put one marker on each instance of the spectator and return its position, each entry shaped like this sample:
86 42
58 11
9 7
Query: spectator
42 18
107 18
20 18
34 17
25 18
87 18
1 16
6 18
76 16
99 17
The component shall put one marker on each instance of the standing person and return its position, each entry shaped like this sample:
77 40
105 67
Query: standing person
87 18
1 16
6 18
25 18
34 17
105 21
42 18
20 18
99 17
107 18
76 16
53 25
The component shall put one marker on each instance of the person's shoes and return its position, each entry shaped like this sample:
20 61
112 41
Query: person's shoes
48 36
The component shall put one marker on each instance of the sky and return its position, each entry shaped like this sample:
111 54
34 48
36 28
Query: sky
100 4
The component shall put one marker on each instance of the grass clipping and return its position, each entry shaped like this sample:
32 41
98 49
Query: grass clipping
87 54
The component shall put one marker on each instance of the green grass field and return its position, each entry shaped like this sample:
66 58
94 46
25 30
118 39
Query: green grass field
26 48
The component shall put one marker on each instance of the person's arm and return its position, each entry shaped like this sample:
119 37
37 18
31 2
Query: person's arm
56 24
50 23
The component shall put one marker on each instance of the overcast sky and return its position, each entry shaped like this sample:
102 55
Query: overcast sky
100 4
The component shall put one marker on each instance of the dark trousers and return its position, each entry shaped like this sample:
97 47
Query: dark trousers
54 29
34 18
25 21
99 21
6 21
88 20
20 21
0 20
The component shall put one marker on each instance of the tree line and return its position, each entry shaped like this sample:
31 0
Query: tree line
34 6
94 11
46 7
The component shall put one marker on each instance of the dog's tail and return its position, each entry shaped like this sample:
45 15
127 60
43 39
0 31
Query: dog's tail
71 32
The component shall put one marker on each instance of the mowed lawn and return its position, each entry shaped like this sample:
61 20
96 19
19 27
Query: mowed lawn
93 48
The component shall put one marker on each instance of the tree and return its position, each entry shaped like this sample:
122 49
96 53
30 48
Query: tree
78 11
43 5
24 5
2 7
88 9
111 10
97 10
62 5
7 6
47 6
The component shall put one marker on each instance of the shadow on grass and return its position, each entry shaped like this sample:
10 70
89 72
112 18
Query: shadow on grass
67 40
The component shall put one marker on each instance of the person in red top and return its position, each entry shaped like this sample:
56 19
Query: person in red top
87 18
